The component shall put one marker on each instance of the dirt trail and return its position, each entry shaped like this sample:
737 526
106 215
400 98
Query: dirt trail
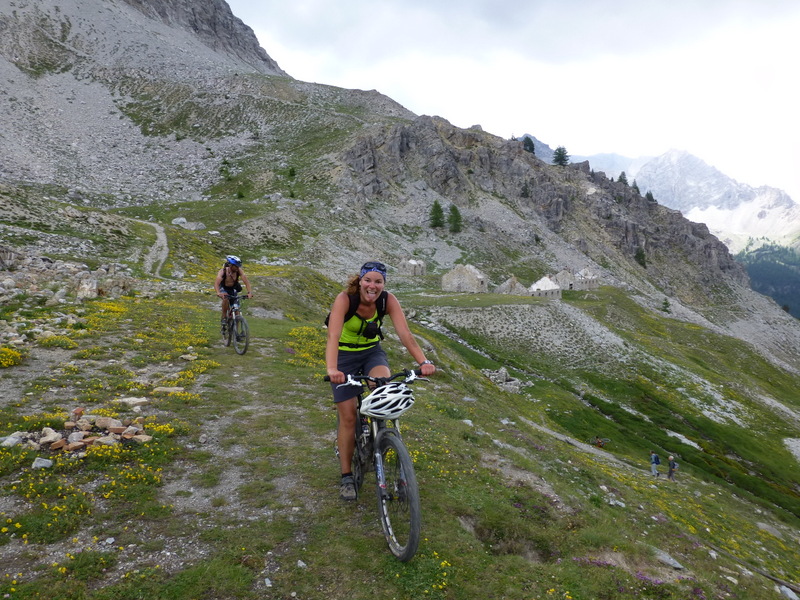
155 258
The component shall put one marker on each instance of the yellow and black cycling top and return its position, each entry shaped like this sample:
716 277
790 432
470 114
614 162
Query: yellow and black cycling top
352 330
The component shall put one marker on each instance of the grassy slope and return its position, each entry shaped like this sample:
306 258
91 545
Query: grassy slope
510 509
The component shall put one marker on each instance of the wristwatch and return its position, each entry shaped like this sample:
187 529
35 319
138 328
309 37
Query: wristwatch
426 362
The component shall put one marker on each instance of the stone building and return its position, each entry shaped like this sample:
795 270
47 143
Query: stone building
412 266
513 287
545 288
465 278
582 280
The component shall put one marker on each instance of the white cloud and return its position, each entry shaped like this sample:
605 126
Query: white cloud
625 76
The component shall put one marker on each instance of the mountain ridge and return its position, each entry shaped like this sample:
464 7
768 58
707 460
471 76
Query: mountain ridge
734 212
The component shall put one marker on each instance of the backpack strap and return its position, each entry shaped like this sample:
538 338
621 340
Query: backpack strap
355 300
380 304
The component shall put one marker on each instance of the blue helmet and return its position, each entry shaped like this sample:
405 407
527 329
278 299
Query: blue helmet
233 260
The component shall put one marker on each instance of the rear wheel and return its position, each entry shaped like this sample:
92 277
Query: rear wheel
240 335
398 502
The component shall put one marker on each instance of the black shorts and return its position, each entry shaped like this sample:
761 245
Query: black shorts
357 362
232 291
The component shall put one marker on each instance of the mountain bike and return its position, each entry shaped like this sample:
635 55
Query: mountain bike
234 329
380 448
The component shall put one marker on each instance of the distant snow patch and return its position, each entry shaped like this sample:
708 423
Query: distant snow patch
683 439
793 444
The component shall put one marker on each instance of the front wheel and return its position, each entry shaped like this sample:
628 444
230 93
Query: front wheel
227 331
240 335
398 501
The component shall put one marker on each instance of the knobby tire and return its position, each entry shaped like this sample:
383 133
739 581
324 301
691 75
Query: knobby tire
240 335
398 504
228 333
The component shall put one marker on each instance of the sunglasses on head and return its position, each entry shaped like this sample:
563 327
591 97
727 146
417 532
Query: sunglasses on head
373 266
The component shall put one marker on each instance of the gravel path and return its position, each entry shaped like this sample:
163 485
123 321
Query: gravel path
158 253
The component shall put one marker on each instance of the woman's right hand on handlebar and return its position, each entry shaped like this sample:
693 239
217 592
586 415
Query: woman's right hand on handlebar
336 376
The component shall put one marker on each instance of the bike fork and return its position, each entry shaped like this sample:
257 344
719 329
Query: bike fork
380 475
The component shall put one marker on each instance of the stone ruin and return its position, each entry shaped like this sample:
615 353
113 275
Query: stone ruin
465 278
413 267
513 287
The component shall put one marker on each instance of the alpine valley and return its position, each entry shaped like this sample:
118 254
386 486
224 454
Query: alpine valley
141 141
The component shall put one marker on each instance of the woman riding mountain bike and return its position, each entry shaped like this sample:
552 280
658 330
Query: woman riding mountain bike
354 348
227 282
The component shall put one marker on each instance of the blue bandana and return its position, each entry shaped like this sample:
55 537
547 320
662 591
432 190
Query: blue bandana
378 267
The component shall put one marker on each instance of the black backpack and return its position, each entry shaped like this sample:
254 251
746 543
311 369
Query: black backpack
355 300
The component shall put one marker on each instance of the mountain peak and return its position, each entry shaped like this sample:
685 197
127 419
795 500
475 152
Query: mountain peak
214 24
50 36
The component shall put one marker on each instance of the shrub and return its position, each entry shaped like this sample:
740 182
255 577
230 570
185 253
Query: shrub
58 341
10 357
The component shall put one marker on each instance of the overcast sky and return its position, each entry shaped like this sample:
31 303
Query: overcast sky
717 78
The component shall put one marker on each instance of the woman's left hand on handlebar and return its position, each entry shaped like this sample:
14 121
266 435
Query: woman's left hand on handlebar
427 369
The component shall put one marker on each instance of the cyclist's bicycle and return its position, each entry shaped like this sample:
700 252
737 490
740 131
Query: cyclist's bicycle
234 329
380 448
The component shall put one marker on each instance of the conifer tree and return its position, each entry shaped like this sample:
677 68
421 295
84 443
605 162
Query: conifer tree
454 219
623 178
437 215
528 146
560 157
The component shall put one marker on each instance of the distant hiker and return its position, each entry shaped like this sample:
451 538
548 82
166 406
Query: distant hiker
673 466
654 462
227 282
354 347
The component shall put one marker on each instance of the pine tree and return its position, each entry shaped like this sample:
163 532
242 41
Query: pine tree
560 157
437 215
454 219
623 178
528 146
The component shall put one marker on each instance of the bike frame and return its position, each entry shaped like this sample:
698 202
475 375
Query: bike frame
378 427
234 321
234 306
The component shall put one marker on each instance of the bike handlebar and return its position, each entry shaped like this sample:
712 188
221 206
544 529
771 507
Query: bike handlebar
409 374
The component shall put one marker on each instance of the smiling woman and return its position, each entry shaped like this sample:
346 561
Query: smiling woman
354 348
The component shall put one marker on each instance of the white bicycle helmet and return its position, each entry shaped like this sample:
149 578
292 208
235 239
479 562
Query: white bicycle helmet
388 401
233 260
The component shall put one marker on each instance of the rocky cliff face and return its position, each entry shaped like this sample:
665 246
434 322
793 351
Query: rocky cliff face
509 194
174 37
215 25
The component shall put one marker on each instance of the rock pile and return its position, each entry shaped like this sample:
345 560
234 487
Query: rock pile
79 433
503 379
